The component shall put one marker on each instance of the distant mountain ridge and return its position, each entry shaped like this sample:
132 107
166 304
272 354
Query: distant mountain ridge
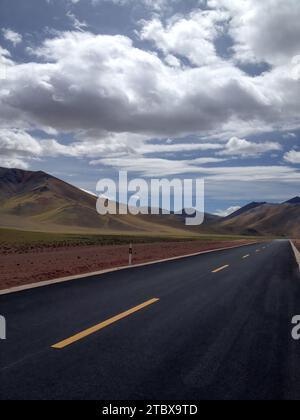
37 200
245 209
265 219
295 200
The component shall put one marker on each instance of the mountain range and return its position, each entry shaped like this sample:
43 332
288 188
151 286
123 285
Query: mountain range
38 201
266 219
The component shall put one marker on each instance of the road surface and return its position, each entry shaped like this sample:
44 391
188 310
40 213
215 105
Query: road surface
215 326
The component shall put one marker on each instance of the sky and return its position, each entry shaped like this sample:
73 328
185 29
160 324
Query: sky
161 88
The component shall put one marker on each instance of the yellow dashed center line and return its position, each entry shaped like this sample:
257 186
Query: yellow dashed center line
220 269
96 328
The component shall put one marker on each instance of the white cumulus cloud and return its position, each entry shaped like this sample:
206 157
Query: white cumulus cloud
292 157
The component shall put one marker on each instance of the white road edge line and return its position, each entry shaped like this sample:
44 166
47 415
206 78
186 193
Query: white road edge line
111 270
296 252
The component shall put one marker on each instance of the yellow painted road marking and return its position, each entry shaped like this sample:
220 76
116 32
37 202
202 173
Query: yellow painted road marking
246 256
104 324
220 269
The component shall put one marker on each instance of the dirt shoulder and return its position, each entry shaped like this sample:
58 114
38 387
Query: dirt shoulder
23 268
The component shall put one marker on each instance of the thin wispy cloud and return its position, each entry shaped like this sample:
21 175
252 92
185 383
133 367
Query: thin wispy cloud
14 37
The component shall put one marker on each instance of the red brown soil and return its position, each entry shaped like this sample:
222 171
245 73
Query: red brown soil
32 267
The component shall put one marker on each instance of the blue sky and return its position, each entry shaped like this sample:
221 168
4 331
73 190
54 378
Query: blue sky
161 88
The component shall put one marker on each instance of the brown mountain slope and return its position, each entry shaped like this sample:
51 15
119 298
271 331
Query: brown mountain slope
38 201
245 209
266 219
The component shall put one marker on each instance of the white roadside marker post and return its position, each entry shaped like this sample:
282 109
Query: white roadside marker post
130 254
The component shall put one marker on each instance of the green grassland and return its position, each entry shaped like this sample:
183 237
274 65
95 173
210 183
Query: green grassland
18 238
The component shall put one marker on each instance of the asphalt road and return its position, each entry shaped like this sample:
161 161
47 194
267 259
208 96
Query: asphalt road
219 329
